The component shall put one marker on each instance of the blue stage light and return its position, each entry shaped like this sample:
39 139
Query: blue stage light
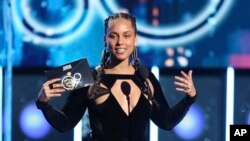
173 35
248 119
33 123
72 25
192 125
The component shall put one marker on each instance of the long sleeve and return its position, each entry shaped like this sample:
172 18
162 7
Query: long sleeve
166 117
71 113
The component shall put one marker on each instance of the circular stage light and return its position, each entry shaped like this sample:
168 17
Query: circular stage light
50 23
32 122
65 16
177 34
192 125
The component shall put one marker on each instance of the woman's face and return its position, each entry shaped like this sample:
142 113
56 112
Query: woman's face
120 39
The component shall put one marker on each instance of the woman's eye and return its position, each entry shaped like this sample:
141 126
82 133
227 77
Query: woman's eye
112 36
127 36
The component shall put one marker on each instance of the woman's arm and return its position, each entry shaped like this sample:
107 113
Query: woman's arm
166 117
72 112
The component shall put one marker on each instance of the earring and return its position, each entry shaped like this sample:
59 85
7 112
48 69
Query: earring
136 61
134 55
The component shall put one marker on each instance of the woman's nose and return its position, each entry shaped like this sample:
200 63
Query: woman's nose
120 40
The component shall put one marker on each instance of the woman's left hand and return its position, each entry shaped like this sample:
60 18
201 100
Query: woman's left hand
185 83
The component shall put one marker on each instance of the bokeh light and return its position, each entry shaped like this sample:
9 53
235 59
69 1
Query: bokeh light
33 123
192 125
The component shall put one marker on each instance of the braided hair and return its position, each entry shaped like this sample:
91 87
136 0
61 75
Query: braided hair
105 57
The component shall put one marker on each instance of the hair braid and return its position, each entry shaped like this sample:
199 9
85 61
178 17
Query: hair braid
95 92
146 88
105 57
120 15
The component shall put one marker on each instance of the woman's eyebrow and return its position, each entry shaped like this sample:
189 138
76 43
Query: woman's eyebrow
114 32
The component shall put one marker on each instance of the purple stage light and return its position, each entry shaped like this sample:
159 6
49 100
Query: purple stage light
33 123
192 125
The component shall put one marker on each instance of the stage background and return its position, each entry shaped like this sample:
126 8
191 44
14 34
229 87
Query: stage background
207 36
52 33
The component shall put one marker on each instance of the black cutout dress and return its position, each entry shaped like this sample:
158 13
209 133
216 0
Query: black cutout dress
108 121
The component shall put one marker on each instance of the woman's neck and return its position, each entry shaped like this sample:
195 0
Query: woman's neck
124 67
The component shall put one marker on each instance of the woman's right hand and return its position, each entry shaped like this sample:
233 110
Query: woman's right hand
51 88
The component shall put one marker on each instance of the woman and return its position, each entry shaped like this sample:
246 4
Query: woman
124 97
